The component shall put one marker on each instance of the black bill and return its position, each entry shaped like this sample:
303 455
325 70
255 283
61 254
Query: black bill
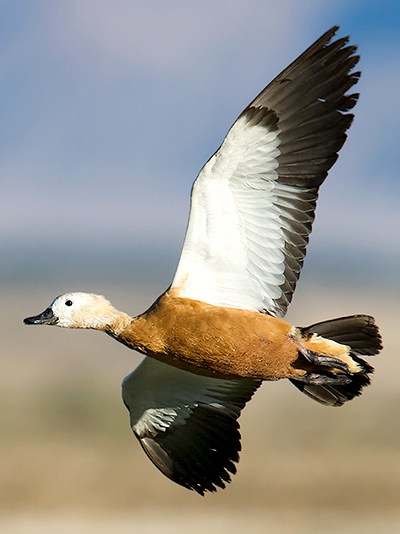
46 317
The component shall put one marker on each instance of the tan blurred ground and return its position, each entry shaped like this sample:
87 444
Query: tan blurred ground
70 463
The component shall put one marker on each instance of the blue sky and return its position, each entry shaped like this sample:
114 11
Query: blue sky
110 109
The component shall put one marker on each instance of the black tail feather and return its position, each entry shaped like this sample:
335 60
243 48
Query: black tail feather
358 331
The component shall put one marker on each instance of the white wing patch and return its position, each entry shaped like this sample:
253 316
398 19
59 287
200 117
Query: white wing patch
155 420
232 252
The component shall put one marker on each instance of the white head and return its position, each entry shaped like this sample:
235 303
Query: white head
78 310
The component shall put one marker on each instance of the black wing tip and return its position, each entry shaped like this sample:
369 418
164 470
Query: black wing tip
204 486
201 454
334 29
326 41
204 478
326 38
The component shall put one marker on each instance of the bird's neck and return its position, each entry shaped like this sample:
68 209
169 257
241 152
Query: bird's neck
109 320
118 323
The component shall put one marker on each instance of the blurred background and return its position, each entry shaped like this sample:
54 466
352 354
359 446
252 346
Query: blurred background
108 112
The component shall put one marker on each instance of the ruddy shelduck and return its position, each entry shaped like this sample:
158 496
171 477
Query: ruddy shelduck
217 332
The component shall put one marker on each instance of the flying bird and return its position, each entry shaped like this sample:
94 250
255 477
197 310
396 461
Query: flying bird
218 331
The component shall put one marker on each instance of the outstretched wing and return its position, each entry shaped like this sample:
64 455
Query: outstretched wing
186 423
253 203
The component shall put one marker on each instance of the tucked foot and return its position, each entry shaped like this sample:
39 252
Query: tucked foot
324 361
316 379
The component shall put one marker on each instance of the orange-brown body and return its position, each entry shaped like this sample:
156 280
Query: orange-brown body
219 341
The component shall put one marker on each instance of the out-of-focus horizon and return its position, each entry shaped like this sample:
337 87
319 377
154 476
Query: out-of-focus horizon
109 111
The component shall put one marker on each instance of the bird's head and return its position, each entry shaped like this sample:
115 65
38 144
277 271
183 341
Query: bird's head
77 310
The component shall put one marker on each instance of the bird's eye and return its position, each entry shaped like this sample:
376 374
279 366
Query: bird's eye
68 302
